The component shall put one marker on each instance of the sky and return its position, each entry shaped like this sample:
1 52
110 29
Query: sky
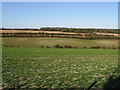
60 0
60 14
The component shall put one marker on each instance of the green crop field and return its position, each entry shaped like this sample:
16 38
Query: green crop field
25 67
38 42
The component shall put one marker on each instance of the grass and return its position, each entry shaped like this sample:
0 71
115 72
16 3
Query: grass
37 42
57 68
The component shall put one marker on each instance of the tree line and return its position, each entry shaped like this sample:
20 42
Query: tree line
75 30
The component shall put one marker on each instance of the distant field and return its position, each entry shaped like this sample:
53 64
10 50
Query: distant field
40 41
79 34
57 68
60 32
31 31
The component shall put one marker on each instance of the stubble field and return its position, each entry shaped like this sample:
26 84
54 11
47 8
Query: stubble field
50 42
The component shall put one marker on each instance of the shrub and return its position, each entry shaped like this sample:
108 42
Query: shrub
48 47
11 46
75 47
103 47
67 46
58 46
118 47
113 48
84 47
95 47
6 46
42 46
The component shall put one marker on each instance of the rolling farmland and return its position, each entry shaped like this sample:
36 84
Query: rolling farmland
59 62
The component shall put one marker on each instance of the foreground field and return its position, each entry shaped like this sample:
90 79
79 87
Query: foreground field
57 68
50 42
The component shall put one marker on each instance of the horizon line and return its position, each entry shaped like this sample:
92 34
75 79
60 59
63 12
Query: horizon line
55 27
